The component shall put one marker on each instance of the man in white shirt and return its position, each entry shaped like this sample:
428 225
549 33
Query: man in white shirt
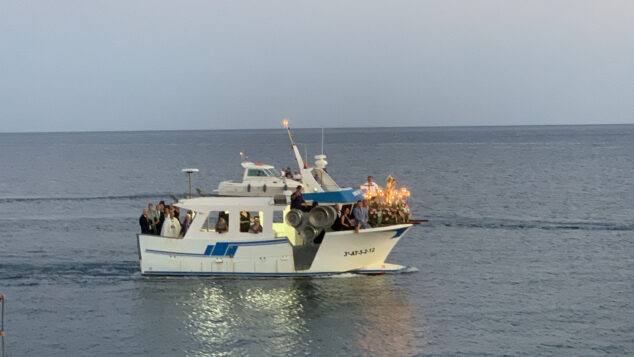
370 187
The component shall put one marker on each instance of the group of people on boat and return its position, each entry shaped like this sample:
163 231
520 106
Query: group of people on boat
288 173
165 220
349 216
247 224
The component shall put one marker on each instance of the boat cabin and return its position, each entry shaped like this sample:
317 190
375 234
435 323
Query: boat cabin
209 210
257 171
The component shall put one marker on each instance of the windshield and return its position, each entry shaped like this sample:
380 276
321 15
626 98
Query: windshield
256 172
273 173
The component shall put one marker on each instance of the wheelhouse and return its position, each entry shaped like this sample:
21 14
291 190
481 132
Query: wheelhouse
259 171
208 211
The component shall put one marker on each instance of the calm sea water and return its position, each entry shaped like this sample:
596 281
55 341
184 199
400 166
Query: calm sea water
529 250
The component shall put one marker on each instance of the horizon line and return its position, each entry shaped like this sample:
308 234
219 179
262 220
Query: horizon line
309 128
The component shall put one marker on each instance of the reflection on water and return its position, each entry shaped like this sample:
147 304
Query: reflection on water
335 316
389 321
228 316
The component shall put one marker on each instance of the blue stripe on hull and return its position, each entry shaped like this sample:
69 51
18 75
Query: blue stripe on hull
261 242
177 253
220 249
399 232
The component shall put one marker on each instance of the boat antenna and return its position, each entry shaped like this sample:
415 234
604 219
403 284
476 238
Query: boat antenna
322 141
189 173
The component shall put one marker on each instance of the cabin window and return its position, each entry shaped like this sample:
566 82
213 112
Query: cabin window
217 221
255 173
278 216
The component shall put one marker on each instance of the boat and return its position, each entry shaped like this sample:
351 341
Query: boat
291 243
258 180
264 180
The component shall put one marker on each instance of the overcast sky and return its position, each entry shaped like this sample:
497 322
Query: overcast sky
163 65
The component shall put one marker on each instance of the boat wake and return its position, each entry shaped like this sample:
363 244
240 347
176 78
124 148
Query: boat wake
500 223
153 196
36 274
408 270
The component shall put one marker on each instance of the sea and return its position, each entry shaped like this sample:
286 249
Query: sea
528 249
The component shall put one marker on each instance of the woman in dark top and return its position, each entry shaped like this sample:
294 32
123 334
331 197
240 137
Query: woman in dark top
345 221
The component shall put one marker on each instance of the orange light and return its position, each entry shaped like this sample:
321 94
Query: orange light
285 122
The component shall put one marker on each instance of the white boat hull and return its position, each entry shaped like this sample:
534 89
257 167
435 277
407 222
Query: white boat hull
339 252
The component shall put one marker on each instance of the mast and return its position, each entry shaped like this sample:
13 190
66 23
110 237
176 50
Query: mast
308 181
298 156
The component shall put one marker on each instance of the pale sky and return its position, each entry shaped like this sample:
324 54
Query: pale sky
174 65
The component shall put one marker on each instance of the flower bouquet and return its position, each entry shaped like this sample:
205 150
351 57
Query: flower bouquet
388 206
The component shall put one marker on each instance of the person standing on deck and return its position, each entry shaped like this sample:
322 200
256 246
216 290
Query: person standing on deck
245 221
144 221
370 187
152 215
171 226
185 226
297 199
159 218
